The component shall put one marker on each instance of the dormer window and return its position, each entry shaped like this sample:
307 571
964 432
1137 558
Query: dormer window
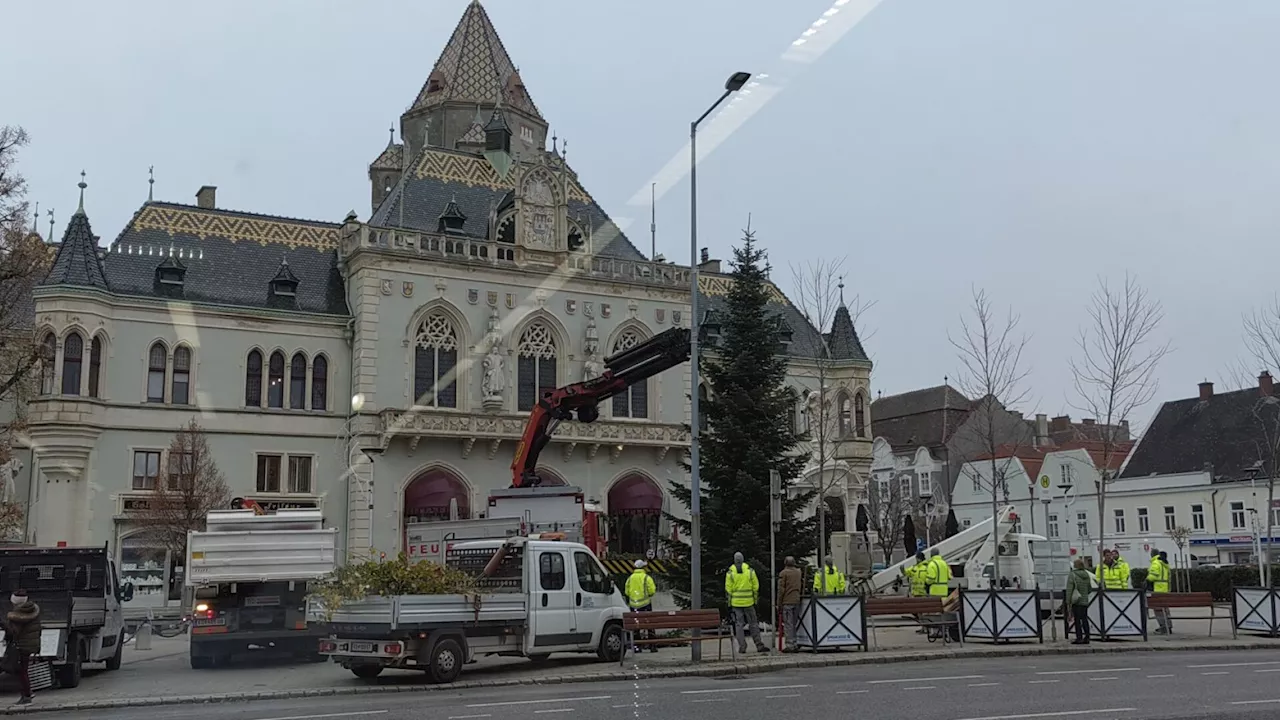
785 335
171 272
285 283
434 84
575 240
452 219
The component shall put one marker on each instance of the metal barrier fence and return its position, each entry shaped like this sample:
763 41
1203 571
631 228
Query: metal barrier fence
832 621
1001 615
1256 610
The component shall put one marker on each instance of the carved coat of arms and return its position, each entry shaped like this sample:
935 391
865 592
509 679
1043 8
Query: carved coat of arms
406 288
571 306
493 299
605 310
473 296
660 315
511 301
386 287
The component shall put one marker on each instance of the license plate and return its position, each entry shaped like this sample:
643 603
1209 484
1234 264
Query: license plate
362 647
211 621
262 601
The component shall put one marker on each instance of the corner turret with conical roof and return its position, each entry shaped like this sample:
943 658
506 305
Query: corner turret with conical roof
474 70
78 262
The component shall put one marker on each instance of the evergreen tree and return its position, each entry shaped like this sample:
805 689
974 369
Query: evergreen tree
747 434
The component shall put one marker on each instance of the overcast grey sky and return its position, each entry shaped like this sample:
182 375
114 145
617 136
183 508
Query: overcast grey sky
1023 145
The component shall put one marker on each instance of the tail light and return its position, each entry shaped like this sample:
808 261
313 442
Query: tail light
204 611
392 648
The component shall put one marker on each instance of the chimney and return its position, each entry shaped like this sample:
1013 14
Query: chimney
705 256
1042 429
1123 435
1087 421
205 197
1264 384
1062 423
1206 390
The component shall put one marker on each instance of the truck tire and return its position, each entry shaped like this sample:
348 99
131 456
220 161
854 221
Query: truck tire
610 649
366 672
69 674
447 660
113 662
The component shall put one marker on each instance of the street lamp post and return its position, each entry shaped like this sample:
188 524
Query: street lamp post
732 85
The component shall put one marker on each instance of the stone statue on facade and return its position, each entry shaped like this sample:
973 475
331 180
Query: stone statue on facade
494 381
9 476
592 365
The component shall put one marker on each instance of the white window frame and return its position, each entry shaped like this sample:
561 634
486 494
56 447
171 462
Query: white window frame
1119 521
1144 520
1197 517
1082 525
1053 525
1170 517
1239 517
285 473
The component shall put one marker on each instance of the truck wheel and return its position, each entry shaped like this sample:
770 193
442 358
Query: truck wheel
610 649
113 662
69 674
366 672
446 661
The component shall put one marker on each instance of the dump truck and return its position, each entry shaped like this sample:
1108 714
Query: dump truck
248 576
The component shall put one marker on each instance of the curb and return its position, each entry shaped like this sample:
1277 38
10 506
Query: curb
812 661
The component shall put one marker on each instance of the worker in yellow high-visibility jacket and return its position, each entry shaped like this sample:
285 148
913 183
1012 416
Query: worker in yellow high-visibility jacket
1158 582
640 590
916 576
828 579
1113 573
742 587
938 576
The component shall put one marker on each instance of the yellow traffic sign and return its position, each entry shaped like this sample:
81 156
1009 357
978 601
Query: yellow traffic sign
1044 481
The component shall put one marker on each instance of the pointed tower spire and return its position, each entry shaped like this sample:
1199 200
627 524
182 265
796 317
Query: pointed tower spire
35 220
844 343
841 286
77 262
151 183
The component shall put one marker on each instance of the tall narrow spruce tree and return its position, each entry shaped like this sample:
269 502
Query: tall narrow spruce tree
747 433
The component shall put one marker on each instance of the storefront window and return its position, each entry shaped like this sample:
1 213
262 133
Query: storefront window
144 562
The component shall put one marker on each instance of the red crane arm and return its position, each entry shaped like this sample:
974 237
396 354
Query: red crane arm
622 370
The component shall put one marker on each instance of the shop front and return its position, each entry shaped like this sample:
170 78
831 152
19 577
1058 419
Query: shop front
635 506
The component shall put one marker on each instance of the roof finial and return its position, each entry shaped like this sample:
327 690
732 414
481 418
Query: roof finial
82 185
391 141
564 151
841 286
50 214
554 140
35 221
151 183
284 259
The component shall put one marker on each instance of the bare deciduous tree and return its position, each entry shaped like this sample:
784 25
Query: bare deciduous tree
990 350
1262 343
13 187
818 291
1115 373
888 508
188 488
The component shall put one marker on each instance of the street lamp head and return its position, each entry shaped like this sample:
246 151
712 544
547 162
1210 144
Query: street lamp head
736 81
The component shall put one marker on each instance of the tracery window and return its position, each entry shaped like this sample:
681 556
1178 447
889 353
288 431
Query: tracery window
435 362
535 366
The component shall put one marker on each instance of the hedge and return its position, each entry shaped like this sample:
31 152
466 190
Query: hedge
1219 580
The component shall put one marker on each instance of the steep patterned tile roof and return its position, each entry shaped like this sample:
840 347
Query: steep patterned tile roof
390 159
77 262
229 257
475 67
806 341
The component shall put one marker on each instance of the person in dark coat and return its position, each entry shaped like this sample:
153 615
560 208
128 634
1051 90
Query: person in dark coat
22 638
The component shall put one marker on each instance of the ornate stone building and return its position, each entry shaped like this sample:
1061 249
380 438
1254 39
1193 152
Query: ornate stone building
380 370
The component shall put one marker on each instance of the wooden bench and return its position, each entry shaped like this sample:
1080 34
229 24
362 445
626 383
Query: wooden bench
705 620
916 607
1170 601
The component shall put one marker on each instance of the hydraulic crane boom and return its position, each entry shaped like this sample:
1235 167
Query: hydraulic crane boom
662 352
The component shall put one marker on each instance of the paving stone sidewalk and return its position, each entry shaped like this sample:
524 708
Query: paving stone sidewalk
162 676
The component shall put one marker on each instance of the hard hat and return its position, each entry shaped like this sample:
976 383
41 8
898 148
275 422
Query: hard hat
640 564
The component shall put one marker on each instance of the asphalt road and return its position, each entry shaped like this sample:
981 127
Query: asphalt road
1130 686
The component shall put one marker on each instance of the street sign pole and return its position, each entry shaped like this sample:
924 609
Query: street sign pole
775 519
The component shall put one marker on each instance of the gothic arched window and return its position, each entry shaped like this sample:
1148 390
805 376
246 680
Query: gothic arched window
845 415
298 382
275 380
95 366
72 362
48 357
435 362
860 415
320 383
536 365
157 363
180 387
253 379
634 401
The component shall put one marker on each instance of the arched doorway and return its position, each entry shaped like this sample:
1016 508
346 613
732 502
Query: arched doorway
635 512
430 496
551 478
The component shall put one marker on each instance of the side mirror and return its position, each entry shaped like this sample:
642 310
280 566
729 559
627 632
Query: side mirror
126 592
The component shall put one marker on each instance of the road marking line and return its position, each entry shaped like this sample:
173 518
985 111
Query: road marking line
1219 672
1063 713
356 714
745 689
1084 672
1097 679
983 684
1255 702
1242 664
615 707
1268 670
921 687
1041 682
712 700
540 712
851 692
526 702
928 679
468 717
771 697
1159 676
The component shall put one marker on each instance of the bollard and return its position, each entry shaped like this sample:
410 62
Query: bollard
142 639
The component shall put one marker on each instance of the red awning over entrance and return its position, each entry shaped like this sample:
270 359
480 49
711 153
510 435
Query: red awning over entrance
635 495
429 494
